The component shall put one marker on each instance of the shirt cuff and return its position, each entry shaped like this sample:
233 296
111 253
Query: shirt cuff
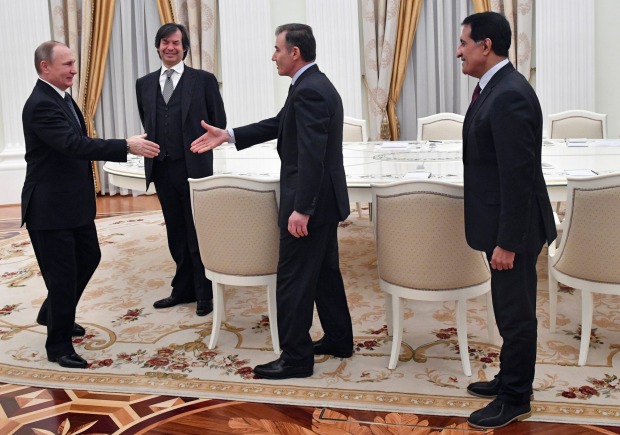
231 133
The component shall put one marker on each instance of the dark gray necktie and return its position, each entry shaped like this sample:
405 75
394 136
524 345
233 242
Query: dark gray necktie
69 102
168 88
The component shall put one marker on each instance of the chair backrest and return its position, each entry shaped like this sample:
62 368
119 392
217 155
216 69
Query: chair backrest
577 124
420 237
590 245
236 222
354 130
442 126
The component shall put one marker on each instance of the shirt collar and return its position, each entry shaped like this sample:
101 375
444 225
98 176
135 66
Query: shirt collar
56 88
301 71
486 78
179 67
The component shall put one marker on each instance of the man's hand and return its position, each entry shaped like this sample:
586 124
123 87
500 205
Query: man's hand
298 224
502 259
139 146
214 137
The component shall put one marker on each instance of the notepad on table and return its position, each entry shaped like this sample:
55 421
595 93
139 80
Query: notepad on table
577 142
394 145
581 173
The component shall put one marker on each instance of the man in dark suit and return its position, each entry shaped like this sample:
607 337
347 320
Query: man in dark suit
313 200
172 101
58 198
507 210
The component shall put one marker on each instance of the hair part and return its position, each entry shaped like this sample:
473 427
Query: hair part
45 52
167 30
493 26
300 36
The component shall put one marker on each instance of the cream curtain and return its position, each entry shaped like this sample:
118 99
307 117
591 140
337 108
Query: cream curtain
379 28
200 19
520 15
66 28
407 24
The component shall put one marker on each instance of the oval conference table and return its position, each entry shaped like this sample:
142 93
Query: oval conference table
383 162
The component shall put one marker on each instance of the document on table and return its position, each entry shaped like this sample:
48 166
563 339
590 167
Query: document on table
394 145
417 175
577 142
581 173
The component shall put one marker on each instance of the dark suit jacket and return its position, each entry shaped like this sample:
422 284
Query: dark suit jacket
309 133
201 100
506 199
59 189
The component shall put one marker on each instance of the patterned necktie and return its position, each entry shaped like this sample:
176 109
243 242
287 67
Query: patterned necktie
69 102
475 95
168 88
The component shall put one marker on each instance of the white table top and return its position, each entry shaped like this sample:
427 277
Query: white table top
381 162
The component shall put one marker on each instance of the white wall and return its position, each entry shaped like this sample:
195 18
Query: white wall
607 38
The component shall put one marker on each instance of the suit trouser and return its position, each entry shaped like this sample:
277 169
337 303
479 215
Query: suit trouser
67 259
309 273
514 303
189 282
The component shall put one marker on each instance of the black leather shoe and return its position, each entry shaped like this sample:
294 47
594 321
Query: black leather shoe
498 414
77 331
204 307
72 361
280 369
325 347
488 390
168 302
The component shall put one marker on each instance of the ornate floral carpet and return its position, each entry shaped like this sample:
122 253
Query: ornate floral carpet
133 348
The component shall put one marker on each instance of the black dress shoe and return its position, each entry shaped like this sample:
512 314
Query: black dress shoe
325 347
280 369
72 361
498 414
204 307
77 331
168 302
488 390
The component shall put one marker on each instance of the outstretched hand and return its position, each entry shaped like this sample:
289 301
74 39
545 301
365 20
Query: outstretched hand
139 146
214 137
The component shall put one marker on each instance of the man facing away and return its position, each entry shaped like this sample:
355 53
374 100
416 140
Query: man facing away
507 210
313 200
172 101
58 198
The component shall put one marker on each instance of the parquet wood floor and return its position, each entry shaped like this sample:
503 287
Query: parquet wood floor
27 409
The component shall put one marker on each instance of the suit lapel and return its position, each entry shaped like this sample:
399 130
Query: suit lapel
313 69
189 78
50 92
474 108
152 91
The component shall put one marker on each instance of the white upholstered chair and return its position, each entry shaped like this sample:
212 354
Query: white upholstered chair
442 126
588 256
354 130
577 124
236 222
422 255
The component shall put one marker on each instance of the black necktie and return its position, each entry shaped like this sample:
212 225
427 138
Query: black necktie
475 95
69 102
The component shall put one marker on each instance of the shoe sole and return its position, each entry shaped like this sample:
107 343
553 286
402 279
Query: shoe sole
517 418
296 375
492 397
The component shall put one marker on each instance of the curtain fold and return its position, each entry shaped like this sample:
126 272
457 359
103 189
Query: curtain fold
481 5
408 17
200 19
66 29
379 27
520 15
166 11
